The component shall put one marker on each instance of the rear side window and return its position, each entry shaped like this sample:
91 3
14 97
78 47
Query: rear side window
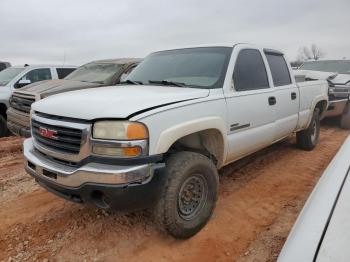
63 72
38 75
250 72
279 69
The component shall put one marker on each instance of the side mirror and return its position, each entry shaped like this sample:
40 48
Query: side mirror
23 82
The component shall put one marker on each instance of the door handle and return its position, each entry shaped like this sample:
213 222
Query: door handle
272 100
293 95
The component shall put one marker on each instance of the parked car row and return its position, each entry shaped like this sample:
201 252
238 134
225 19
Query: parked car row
337 73
94 74
16 77
157 139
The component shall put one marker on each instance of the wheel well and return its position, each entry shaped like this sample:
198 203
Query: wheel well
3 109
208 142
322 106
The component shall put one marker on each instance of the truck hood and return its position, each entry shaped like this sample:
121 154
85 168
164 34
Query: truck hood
333 77
52 87
114 101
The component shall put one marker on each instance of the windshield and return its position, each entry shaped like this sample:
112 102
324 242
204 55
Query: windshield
8 74
337 66
99 73
192 67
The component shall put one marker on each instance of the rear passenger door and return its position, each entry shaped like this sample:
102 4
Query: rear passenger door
286 93
251 105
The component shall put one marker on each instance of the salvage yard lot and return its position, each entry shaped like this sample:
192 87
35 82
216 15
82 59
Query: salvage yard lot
260 198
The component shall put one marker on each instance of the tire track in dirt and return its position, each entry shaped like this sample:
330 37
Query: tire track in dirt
259 200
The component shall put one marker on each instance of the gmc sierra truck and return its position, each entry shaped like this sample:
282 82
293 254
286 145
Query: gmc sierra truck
16 77
158 140
337 74
94 74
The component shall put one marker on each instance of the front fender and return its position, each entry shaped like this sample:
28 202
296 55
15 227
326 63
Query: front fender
170 135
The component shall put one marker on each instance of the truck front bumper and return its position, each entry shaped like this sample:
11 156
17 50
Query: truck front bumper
104 185
335 107
18 122
18 130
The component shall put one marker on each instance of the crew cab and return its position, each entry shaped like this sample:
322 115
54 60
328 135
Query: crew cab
94 74
16 77
321 232
337 73
158 140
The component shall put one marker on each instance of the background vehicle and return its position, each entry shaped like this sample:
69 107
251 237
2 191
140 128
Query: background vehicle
159 142
93 74
337 73
4 65
321 232
17 77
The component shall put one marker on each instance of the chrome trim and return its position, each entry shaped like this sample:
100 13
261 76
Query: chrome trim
85 147
86 143
25 95
17 117
335 108
89 173
143 144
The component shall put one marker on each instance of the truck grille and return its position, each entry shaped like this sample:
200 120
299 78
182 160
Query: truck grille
342 90
57 138
22 101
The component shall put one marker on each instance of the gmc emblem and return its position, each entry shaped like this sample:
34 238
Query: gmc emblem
48 133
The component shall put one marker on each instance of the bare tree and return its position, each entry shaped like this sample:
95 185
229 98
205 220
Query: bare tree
314 52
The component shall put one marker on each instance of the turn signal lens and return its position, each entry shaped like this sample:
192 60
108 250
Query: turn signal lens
136 131
117 151
132 151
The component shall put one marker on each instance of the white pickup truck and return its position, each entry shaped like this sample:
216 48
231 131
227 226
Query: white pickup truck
159 139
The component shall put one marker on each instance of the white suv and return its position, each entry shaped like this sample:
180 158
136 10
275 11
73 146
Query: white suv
17 77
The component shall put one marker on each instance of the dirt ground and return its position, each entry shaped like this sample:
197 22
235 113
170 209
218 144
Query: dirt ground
260 198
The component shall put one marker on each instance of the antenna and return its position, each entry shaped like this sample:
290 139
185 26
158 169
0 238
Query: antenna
64 56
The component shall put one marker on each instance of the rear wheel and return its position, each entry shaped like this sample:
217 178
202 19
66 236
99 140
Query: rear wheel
345 117
189 196
307 139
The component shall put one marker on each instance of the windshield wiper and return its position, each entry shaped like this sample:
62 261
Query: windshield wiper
167 83
131 82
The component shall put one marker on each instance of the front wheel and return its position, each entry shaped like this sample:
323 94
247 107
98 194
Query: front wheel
307 139
189 195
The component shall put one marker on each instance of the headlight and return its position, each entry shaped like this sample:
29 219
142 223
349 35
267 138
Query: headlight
348 83
119 138
119 130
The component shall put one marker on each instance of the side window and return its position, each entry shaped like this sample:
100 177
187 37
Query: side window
63 72
279 69
38 75
250 72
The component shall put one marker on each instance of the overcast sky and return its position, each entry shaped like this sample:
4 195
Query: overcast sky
41 31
